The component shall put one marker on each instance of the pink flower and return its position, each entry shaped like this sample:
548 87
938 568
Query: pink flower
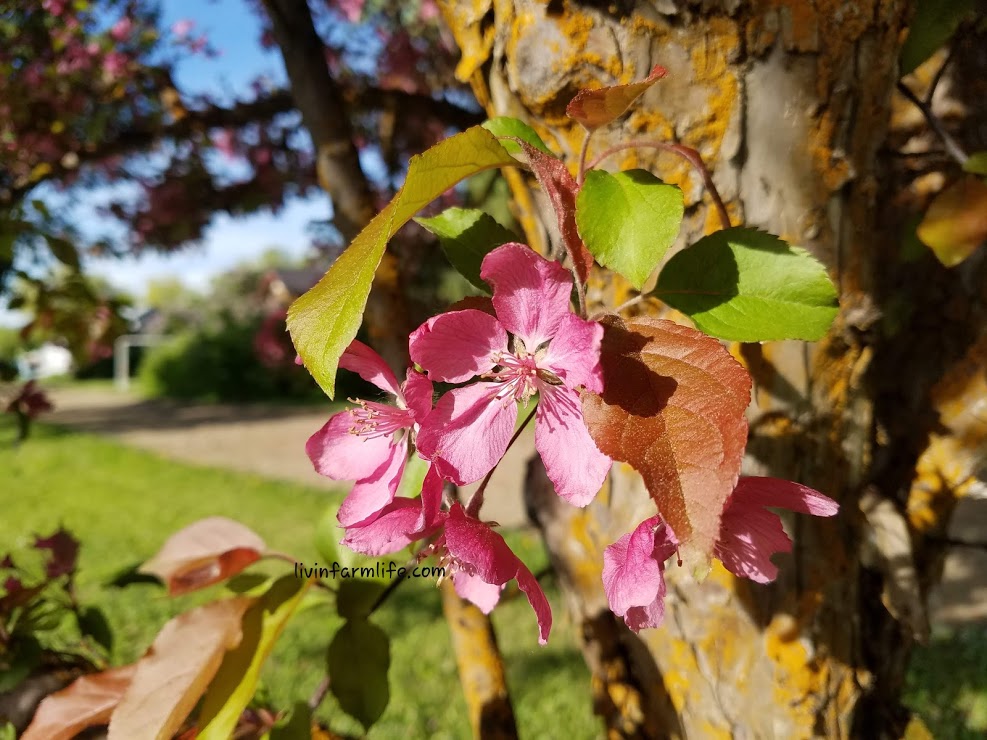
552 353
750 534
481 564
182 28
400 522
369 443
633 573
351 9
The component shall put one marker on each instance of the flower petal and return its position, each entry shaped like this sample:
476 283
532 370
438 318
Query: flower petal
649 616
748 539
477 591
536 597
418 394
784 494
362 360
572 460
475 544
371 494
574 353
633 566
530 293
458 345
467 432
392 530
337 454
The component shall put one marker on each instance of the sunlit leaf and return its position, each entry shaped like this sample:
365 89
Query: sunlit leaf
325 320
235 683
628 220
976 163
748 286
512 127
956 222
176 670
359 657
595 108
203 553
466 236
673 408
86 702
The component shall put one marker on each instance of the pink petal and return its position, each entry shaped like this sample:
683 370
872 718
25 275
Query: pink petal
467 432
649 616
530 293
459 345
392 530
749 536
474 543
784 494
373 493
572 460
633 566
574 353
536 597
339 455
418 394
431 500
370 366
477 591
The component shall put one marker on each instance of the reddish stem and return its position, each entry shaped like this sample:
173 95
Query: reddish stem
687 153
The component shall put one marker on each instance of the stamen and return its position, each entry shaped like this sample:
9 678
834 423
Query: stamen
372 419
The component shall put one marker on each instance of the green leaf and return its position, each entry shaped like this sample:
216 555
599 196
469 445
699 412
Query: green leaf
628 220
467 235
324 321
63 250
235 683
92 622
748 286
932 25
507 126
359 656
298 725
413 477
356 597
976 163
328 533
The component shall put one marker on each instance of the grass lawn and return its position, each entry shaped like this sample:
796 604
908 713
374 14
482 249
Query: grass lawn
122 504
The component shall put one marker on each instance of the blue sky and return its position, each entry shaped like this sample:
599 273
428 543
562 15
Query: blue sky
233 29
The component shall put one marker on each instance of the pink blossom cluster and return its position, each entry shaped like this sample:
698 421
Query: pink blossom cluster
527 343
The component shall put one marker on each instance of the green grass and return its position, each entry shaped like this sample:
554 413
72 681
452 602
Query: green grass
123 503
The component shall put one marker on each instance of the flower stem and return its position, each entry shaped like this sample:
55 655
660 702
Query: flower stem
476 500
584 150
687 153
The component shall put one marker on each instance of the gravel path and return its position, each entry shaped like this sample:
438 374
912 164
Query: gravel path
270 441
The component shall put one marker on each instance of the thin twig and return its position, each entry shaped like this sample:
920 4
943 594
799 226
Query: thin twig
952 146
935 80
582 157
476 500
687 153
319 694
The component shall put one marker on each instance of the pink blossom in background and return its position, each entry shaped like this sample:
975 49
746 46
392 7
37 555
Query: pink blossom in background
115 64
750 534
182 28
369 443
428 11
352 10
534 345
122 29
633 573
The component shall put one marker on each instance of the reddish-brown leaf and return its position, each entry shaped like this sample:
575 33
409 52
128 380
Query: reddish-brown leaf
204 553
595 108
561 188
956 222
86 702
175 672
673 408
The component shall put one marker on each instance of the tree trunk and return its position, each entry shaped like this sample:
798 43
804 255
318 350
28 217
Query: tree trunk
790 103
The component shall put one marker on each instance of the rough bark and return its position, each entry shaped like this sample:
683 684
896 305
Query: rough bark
790 103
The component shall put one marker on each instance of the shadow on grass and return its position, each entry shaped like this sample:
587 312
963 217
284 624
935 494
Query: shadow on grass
947 683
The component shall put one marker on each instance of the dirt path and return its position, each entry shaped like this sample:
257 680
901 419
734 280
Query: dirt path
270 441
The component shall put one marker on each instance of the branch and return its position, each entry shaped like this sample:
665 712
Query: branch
952 146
